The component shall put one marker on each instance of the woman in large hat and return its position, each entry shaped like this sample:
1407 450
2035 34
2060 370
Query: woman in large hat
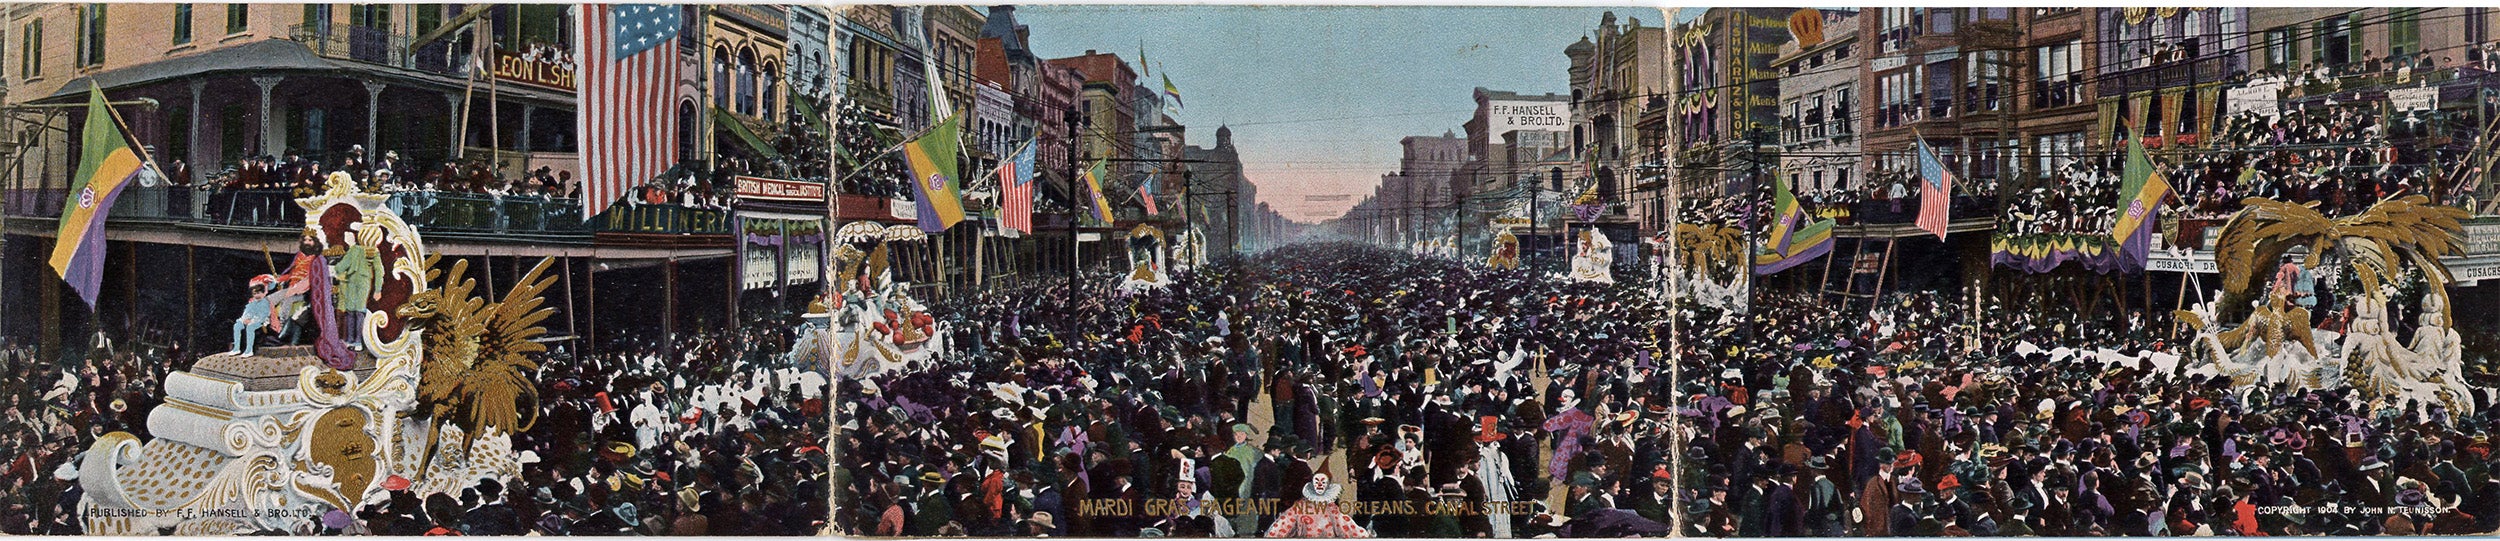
1493 468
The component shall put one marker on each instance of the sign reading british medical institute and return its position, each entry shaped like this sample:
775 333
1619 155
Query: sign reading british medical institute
779 190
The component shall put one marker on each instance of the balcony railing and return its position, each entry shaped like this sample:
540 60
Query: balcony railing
378 46
1905 210
489 214
432 212
2170 74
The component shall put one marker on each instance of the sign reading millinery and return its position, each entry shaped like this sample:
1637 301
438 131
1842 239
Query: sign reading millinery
1508 116
780 190
2414 99
543 66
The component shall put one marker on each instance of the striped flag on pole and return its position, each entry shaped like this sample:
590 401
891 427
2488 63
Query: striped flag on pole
106 165
1935 191
1015 184
628 98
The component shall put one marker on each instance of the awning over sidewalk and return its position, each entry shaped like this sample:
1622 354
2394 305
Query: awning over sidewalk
722 117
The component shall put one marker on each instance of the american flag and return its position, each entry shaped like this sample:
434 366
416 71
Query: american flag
628 98
1935 192
1146 194
1015 182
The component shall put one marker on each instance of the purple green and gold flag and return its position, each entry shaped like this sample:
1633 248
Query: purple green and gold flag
932 159
1171 91
1789 244
1101 207
2140 194
107 165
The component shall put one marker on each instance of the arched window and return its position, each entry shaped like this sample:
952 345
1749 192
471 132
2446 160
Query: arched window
685 131
720 76
746 80
769 89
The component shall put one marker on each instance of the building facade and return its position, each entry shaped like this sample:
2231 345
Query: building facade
1726 98
1818 101
1617 80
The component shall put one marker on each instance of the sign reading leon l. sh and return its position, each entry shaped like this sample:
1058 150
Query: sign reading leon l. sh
533 69
1506 116
780 190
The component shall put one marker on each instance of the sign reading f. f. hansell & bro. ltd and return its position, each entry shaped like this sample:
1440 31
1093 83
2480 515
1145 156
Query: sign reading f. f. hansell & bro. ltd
1508 116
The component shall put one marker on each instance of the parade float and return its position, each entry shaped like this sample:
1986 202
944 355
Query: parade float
867 323
1191 251
411 381
1145 260
2260 335
1594 258
1705 262
1505 250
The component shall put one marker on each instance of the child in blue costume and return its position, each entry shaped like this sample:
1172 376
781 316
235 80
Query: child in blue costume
255 314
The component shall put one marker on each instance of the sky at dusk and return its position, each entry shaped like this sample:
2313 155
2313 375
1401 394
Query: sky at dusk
1318 96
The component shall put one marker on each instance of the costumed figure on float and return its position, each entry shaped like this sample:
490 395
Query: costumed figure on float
1505 250
866 322
2394 245
1191 252
1145 260
1594 258
410 383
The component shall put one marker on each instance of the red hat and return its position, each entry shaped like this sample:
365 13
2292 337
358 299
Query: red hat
604 405
1488 431
395 483
1908 459
1950 482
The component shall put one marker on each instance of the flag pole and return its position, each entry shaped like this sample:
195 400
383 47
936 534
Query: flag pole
124 128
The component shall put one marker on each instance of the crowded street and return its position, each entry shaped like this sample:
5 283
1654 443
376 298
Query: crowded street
1231 271
1411 383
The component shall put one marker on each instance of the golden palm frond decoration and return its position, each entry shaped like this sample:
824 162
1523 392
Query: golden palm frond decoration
2378 242
477 373
1708 247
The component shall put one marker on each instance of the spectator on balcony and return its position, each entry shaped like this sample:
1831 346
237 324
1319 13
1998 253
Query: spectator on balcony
354 162
389 161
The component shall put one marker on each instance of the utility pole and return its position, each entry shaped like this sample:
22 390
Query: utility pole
2005 175
1075 250
1744 264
